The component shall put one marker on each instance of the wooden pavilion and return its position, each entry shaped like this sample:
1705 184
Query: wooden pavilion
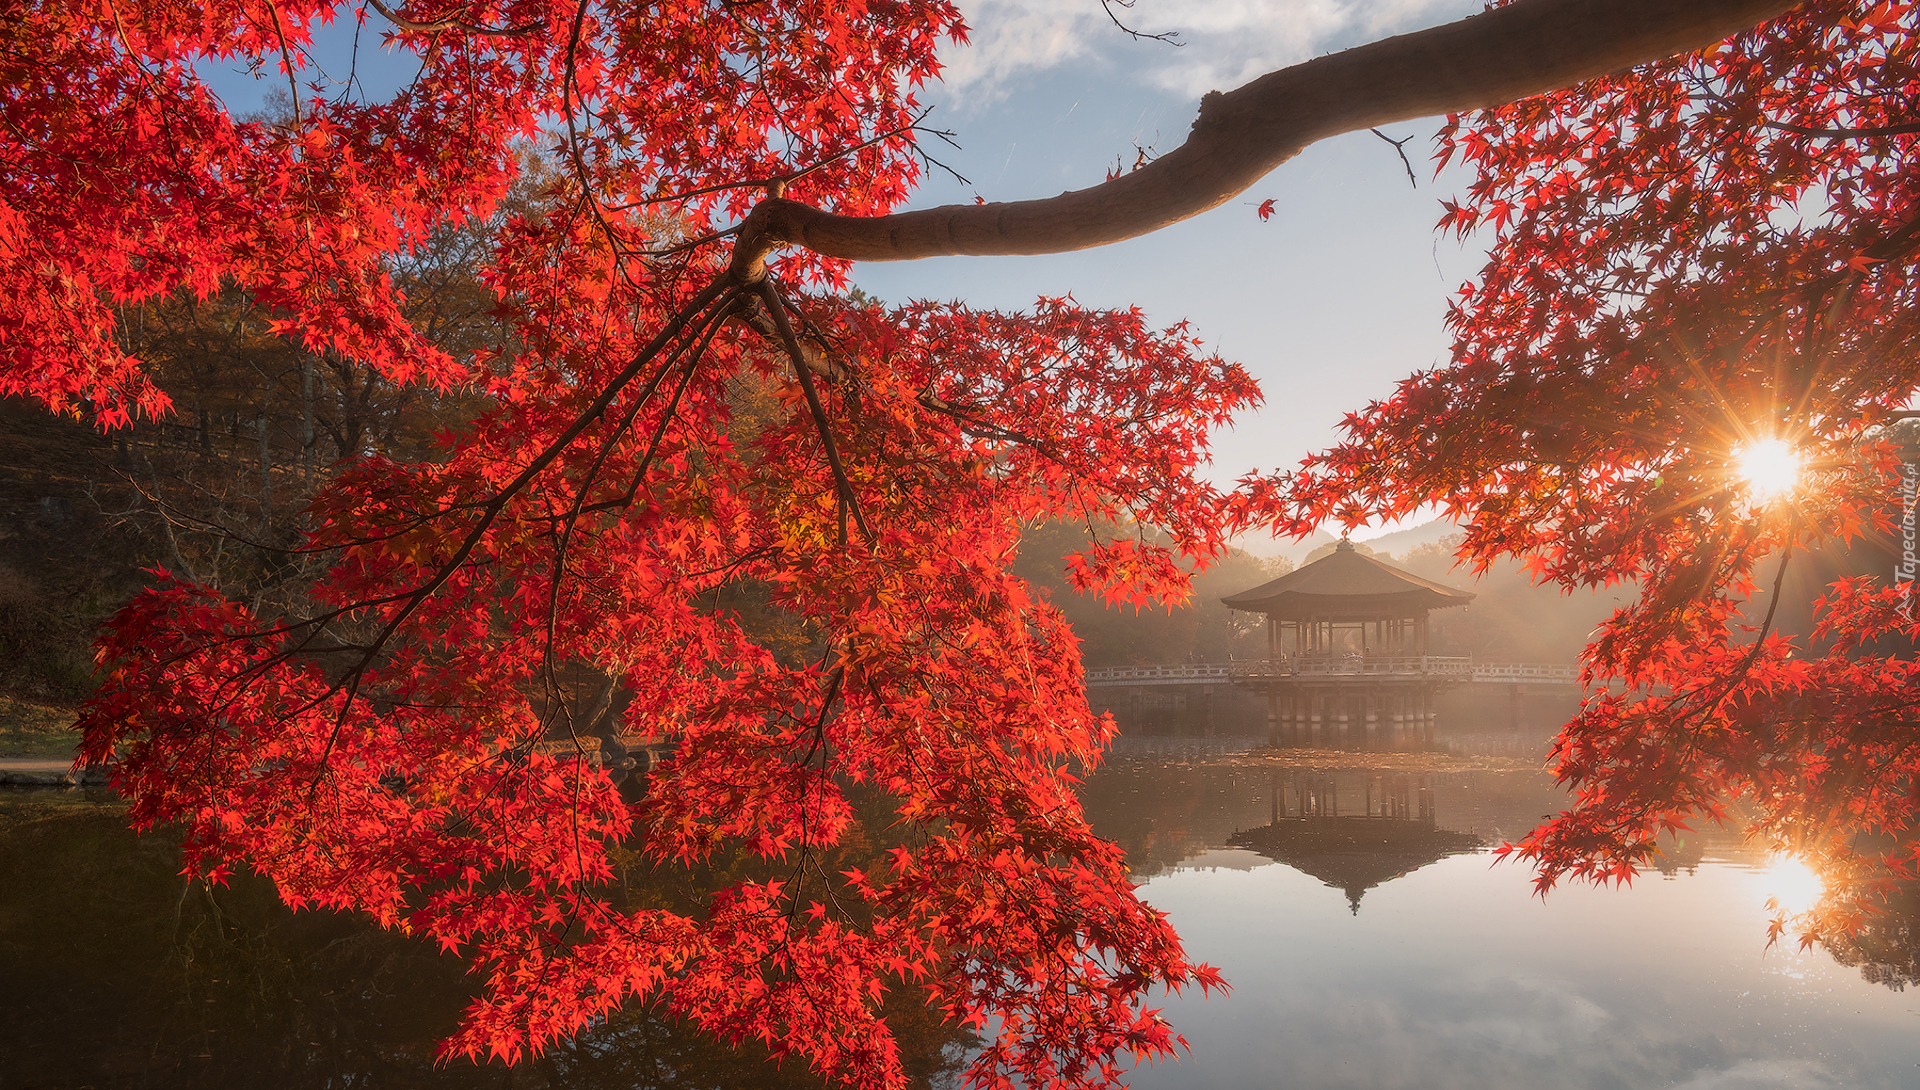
1347 642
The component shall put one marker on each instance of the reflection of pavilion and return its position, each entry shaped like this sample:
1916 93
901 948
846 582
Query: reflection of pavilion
1347 646
1393 834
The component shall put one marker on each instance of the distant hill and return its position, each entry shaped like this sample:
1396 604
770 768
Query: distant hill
1396 544
1401 542
1295 551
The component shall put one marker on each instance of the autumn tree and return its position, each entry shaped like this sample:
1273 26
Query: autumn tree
388 744
1699 267
262 419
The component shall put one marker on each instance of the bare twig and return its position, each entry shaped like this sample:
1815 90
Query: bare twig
1400 147
1168 37
1844 134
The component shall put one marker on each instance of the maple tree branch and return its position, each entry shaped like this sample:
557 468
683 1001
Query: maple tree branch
1740 672
625 499
842 485
780 180
690 244
1844 134
814 348
442 25
349 682
692 350
1526 48
286 64
1629 822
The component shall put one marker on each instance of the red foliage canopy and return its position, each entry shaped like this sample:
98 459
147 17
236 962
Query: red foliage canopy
671 428
403 747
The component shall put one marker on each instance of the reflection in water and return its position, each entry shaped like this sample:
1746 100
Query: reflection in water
1166 812
1886 947
1456 975
1394 832
119 973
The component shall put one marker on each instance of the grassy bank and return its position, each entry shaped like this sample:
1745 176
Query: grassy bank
36 731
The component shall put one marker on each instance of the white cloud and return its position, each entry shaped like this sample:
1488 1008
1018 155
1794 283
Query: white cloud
1227 42
1011 38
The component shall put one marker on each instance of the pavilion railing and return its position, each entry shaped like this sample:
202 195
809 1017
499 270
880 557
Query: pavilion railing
1355 666
1438 667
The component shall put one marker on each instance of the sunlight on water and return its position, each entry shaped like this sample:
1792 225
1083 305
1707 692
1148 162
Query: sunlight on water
1791 885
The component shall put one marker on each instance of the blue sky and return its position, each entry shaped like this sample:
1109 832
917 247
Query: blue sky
1328 303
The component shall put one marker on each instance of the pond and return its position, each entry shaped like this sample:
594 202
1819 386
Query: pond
1348 897
1354 966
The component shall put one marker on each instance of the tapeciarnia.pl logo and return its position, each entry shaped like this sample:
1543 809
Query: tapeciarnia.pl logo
1903 576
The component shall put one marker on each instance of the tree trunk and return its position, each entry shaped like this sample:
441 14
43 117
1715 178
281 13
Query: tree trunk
306 423
266 471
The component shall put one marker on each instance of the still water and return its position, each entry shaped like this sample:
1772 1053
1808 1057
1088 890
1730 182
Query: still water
1367 969
1347 896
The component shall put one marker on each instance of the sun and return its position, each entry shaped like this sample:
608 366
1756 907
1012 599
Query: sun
1770 468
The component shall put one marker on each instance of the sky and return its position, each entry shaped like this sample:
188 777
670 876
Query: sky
1327 304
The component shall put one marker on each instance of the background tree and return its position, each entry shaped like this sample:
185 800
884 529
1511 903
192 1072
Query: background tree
1113 634
377 745
1514 617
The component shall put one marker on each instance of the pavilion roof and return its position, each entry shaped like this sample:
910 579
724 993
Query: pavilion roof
1346 583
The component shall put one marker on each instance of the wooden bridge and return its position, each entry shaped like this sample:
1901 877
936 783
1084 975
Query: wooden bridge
1253 672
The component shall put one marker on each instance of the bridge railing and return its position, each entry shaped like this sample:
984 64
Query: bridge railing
1355 666
1179 673
1526 671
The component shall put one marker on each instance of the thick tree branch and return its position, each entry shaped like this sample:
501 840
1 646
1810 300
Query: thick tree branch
1526 48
